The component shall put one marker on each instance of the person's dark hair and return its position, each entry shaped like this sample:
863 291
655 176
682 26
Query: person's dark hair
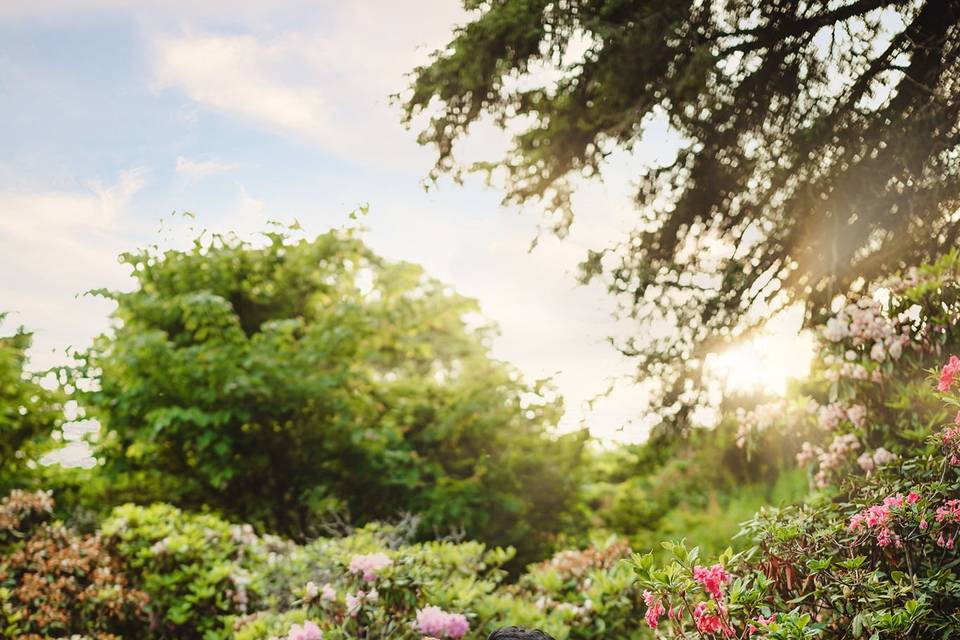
518 633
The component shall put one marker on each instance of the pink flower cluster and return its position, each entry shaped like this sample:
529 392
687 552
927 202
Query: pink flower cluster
309 631
879 519
355 601
712 579
949 373
951 441
654 609
947 514
759 419
708 622
326 593
369 565
830 416
435 622
708 618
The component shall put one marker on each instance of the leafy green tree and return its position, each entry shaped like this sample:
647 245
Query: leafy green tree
821 146
281 383
29 413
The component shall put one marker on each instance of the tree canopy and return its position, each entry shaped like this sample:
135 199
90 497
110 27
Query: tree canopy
821 145
279 384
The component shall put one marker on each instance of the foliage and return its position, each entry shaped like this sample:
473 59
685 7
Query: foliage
701 488
54 583
195 567
818 148
29 413
882 562
867 402
208 579
414 589
283 383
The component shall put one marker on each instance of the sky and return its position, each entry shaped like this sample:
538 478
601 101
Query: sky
116 114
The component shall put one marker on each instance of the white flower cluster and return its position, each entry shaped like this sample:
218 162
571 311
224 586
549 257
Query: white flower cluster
544 603
879 458
312 592
243 534
240 580
831 415
355 600
865 327
759 419
833 458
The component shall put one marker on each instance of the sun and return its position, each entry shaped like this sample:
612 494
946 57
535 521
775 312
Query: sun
766 362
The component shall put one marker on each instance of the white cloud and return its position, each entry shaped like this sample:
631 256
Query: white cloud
57 245
115 197
197 169
242 75
326 82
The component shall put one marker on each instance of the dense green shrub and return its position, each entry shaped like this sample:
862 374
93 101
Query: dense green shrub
54 583
280 383
196 568
577 595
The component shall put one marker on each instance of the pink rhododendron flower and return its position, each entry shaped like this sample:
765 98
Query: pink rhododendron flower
354 602
946 543
328 593
309 631
457 625
434 621
949 512
654 609
948 374
369 565
879 519
712 579
709 622
951 442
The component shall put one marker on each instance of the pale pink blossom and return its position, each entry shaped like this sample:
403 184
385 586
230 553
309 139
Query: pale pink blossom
434 621
309 631
369 565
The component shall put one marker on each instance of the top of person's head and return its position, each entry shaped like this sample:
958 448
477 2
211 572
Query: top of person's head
518 633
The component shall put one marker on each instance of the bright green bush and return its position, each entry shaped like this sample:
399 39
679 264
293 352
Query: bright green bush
575 595
278 384
196 568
